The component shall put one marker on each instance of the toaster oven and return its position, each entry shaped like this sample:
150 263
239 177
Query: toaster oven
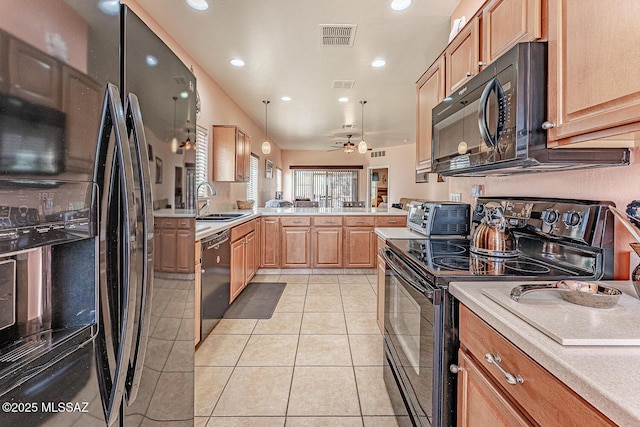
439 218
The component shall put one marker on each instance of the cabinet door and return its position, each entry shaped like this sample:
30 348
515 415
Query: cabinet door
237 268
258 245
250 257
270 242
34 75
327 247
296 247
431 90
461 56
81 101
507 22
480 402
167 255
593 69
184 251
242 165
360 247
223 154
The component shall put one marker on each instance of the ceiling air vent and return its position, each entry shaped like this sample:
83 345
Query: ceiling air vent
337 34
343 84
180 80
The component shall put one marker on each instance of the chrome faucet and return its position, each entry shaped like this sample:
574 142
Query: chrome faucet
213 193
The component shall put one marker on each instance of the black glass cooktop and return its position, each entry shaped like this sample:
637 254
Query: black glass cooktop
452 257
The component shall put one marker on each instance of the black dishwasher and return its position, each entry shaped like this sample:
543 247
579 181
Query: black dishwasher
216 278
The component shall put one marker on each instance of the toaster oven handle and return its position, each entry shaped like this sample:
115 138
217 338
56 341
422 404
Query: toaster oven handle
491 140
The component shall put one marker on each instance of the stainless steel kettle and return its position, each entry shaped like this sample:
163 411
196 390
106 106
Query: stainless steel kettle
492 237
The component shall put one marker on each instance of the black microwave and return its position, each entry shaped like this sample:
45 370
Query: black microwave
493 125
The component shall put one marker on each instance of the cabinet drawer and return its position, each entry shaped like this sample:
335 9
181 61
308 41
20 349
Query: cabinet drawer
391 221
186 223
242 230
359 221
320 221
295 221
166 222
545 398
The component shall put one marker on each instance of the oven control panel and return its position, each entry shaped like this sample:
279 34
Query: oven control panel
575 220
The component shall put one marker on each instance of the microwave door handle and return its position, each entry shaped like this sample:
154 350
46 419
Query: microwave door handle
489 139
114 177
135 127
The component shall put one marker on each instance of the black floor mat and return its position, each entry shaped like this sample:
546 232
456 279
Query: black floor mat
257 301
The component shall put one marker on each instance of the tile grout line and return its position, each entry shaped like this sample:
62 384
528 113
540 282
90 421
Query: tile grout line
295 358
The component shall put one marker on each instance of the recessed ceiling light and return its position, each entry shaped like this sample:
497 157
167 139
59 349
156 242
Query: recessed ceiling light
378 63
236 62
109 7
200 5
286 98
343 99
184 94
151 60
400 4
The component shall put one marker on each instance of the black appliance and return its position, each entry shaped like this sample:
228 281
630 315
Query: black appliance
215 280
493 125
556 239
80 300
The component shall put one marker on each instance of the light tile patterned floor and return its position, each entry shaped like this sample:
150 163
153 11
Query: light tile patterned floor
316 362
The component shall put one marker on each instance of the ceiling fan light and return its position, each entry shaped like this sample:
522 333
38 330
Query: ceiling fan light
266 147
362 147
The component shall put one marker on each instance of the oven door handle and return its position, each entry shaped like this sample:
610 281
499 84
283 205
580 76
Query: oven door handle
398 270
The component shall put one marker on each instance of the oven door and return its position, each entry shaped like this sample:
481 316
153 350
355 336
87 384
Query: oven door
412 308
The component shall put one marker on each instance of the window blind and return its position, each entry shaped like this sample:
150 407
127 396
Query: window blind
202 154
328 187
252 185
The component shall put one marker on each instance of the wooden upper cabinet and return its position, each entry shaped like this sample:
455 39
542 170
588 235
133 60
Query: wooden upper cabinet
431 89
507 22
34 75
231 154
82 103
461 56
593 69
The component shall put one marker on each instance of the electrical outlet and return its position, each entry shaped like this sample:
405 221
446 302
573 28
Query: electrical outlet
455 197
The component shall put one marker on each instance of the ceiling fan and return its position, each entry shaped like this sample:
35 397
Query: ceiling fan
348 147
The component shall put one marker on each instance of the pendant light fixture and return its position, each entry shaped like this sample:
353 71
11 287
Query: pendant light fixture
362 145
266 146
187 144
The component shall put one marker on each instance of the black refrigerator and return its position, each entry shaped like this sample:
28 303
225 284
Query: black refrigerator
93 105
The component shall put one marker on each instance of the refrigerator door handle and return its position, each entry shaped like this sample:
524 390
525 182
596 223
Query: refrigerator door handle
117 285
135 127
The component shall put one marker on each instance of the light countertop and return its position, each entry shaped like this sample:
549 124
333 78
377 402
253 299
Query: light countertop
207 228
608 377
387 233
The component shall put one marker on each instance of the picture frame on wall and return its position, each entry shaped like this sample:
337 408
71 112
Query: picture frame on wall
158 170
269 169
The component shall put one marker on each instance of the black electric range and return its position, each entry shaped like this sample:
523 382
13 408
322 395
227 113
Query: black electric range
555 239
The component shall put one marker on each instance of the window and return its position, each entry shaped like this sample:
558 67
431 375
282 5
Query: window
202 153
278 180
252 185
327 186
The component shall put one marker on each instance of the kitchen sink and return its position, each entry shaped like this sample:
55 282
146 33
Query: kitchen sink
222 216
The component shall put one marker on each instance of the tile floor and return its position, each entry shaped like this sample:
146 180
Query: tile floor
316 362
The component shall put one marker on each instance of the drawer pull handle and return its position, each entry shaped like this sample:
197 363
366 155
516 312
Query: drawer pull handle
454 369
495 359
392 222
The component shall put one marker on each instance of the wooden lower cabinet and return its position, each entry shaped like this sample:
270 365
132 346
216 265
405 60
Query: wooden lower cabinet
537 398
327 247
270 242
360 247
296 247
174 246
238 261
